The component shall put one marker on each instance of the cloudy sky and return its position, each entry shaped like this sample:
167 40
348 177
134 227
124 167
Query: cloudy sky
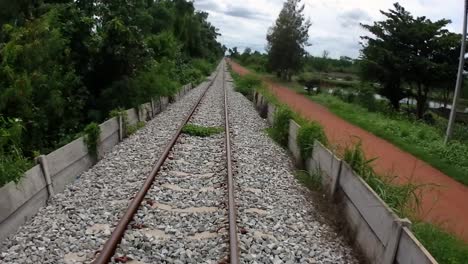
335 23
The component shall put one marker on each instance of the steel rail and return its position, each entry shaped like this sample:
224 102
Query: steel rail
110 246
233 243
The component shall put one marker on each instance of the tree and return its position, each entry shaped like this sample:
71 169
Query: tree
415 52
383 54
287 40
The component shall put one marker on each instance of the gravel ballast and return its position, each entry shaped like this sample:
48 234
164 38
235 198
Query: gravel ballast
183 219
278 219
78 221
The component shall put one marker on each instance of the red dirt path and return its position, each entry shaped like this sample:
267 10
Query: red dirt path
445 204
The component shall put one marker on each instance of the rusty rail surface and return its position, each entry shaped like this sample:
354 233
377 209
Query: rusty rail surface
233 243
110 246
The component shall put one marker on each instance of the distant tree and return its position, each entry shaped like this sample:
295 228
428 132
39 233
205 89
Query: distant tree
382 54
287 40
233 53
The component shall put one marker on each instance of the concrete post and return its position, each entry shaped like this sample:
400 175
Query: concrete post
121 132
335 181
392 245
42 160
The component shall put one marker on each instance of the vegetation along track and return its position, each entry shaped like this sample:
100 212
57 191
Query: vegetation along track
190 186
184 216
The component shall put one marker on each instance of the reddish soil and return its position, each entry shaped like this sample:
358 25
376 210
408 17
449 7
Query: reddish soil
444 201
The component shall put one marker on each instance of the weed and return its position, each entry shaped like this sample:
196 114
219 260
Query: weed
280 129
92 132
131 129
247 84
313 181
398 197
308 133
201 131
120 112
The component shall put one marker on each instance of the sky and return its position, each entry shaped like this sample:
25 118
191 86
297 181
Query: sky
335 23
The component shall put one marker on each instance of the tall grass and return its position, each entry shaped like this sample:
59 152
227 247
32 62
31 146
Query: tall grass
401 198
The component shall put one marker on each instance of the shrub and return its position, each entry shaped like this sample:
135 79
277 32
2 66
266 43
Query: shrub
13 164
246 84
280 129
203 66
306 136
91 138
366 98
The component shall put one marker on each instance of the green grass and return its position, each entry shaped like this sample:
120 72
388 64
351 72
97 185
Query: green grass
132 129
312 181
201 131
415 137
444 247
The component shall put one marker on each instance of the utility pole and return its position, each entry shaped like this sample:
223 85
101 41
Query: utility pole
459 77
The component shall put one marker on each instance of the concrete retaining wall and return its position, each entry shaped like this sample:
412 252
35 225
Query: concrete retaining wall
381 235
20 202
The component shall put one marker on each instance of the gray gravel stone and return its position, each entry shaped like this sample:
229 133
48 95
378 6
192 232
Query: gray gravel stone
281 224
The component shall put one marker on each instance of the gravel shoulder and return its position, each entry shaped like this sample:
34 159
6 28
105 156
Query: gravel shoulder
77 221
279 221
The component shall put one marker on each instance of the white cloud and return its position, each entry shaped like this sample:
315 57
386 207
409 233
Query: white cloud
244 23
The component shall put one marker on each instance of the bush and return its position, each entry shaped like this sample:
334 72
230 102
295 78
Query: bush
308 80
203 66
91 138
280 129
306 136
12 162
246 84
366 98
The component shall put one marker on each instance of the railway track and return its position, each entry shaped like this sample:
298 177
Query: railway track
186 206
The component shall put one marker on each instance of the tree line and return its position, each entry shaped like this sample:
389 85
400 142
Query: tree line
404 56
65 63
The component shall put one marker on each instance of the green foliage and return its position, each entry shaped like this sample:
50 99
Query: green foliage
247 84
306 136
325 64
280 129
64 64
132 129
92 133
201 131
445 247
398 197
416 137
13 164
416 51
366 98
287 40
313 180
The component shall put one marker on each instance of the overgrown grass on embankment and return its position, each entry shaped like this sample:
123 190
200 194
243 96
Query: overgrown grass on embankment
418 138
403 199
